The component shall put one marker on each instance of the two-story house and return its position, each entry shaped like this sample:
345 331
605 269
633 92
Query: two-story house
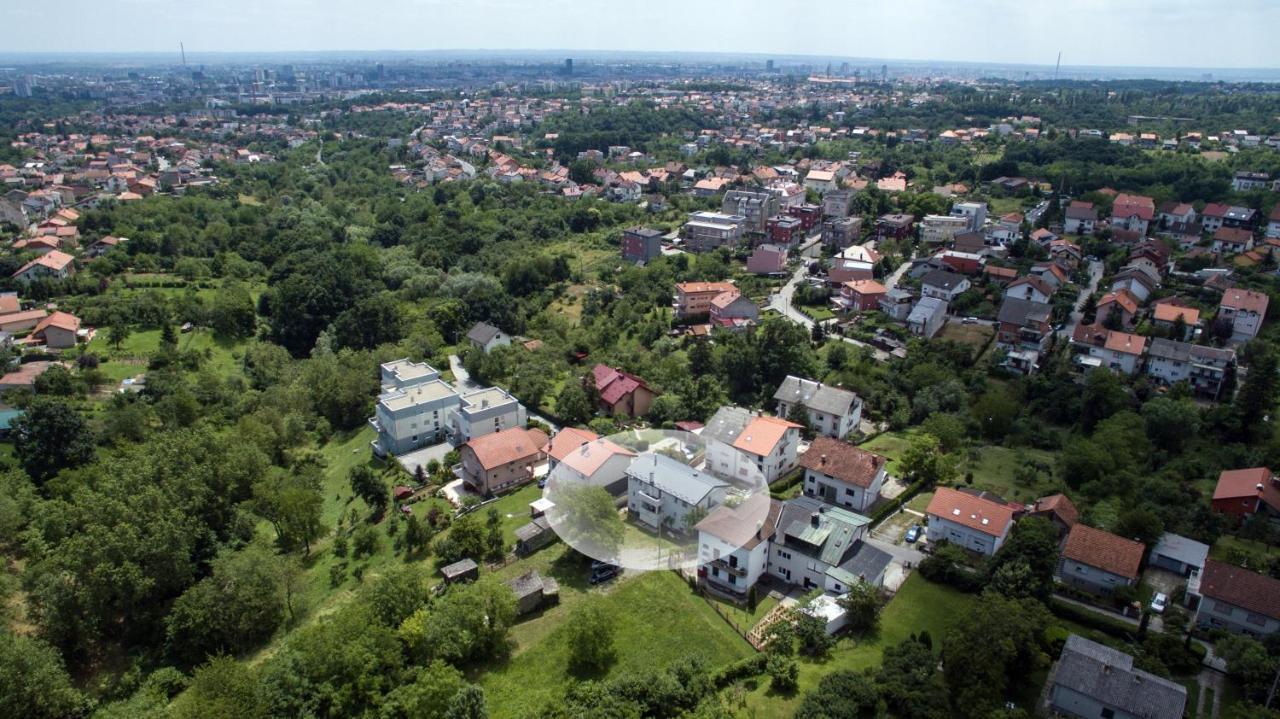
1080 218
621 394
662 492
1092 680
598 463
1118 351
693 299
485 411
1243 493
975 523
56 265
944 285
1205 369
1030 288
414 409
486 338
733 544
1023 332
817 546
502 460
641 244
1235 599
927 317
832 411
843 475
1098 561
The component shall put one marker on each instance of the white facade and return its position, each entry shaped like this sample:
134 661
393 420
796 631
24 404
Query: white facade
941 528
840 493
732 568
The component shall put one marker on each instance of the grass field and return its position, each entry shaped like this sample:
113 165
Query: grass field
132 356
993 467
891 445
658 620
918 605
976 336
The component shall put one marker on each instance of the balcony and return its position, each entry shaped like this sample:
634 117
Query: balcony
724 566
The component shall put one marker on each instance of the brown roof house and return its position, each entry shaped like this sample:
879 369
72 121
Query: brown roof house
1058 509
501 460
975 523
621 393
841 474
59 330
1233 598
1099 561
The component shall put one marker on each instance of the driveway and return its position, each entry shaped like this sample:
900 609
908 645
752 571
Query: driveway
461 378
1095 276
421 457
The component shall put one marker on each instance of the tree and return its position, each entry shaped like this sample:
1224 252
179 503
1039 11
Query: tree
783 673
368 486
468 623
466 539
1249 663
908 681
572 404
811 635
995 412
468 704
862 606
118 331
225 688
923 460
1026 563
232 314
591 638
235 609
996 644
1171 422
428 696
1257 396
291 502
494 544
51 436
1140 524
34 682
589 519
845 694
799 414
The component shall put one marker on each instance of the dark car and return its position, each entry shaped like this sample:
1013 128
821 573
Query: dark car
913 534
603 572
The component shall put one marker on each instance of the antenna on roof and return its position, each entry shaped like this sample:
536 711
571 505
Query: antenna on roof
183 49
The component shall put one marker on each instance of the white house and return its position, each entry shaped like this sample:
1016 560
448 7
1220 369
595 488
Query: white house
944 285
843 475
1246 310
969 521
661 492
833 412
817 546
1235 599
927 317
733 543
486 337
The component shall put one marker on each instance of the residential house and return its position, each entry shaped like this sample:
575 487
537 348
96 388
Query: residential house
897 304
566 441
820 181
641 244
1007 230
749 447
944 285
1023 332
1000 275
1098 561
856 262
56 265
414 408
837 203
1185 234
859 296
817 546
968 521
1120 307
485 337
1243 493
1205 369
1058 510
1080 218
59 330
501 460
785 231
1167 315
621 394
894 226
767 260
1235 599
975 214
709 230
832 411
19 321
1273 223
843 475
1133 212
1029 288
105 245
966 263
693 299
927 317
974 243
1178 554
1246 310
1177 212
599 463
733 311
662 492
1245 181
1138 282
756 206
941 229
1242 217
1231 241
1092 680
733 544
1118 351
840 232
1213 216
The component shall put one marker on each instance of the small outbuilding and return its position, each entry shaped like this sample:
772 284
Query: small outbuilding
1176 553
465 570
534 536
533 591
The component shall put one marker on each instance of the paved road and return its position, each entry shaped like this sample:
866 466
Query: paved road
1095 275
1033 215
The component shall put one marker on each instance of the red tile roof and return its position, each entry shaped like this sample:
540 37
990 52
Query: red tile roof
614 384
509 445
843 461
1104 551
1239 299
973 512
61 320
1059 506
762 434
1240 587
1241 483
567 440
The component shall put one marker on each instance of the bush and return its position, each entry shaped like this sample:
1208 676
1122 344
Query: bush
1093 620
753 665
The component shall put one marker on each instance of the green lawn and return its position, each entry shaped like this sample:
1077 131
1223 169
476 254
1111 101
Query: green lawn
891 445
658 620
993 467
133 354
918 605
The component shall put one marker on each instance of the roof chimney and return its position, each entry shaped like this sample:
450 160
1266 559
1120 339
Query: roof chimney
822 460
814 519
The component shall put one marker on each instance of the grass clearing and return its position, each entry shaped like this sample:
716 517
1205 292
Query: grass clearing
994 467
976 336
649 612
131 358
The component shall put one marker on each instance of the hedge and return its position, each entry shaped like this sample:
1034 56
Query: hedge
1092 619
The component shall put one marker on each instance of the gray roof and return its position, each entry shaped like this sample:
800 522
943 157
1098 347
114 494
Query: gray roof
866 564
458 568
827 529
1022 312
816 396
927 307
483 333
1107 676
1187 352
528 583
673 477
1181 549
726 424
533 529
944 279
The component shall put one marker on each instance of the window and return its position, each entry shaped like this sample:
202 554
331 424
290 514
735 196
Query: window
1223 608
1257 619
849 491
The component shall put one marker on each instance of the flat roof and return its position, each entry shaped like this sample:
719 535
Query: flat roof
415 395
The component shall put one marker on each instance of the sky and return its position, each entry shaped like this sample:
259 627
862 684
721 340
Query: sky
1152 33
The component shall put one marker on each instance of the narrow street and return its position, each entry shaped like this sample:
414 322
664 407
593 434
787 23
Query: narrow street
1095 275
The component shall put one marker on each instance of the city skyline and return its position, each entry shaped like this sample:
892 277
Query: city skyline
1145 33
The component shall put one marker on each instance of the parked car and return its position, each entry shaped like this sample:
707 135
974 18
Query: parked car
913 534
970 321
603 572
1159 603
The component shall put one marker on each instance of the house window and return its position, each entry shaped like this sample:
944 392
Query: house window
1108 713
1257 619
1223 608
848 491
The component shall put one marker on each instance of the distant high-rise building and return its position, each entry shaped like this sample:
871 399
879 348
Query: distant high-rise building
22 87
768 66
884 73
568 66
844 68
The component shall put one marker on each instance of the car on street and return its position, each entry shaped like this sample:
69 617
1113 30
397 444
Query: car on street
969 321
1159 602
913 534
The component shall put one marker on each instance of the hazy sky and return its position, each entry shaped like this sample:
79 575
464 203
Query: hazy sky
1186 33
